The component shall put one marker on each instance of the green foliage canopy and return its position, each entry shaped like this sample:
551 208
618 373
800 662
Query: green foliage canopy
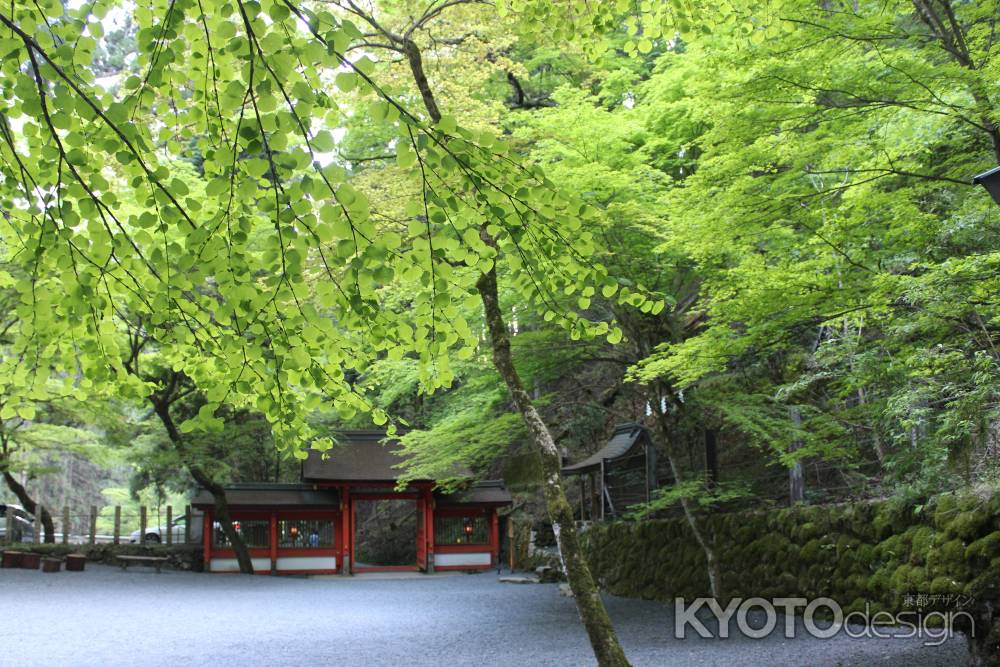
257 272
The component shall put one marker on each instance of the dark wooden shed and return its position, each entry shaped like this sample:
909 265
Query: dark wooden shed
620 474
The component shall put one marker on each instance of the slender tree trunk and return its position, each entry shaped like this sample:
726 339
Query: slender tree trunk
715 581
30 505
876 438
711 458
601 632
796 475
711 561
162 409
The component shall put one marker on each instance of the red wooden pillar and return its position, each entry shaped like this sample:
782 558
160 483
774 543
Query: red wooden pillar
429 524
274 543
346 534
421 509
494 537
427 547
206 539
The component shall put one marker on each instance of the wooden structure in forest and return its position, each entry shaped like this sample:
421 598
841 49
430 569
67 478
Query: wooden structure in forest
346 515
620 474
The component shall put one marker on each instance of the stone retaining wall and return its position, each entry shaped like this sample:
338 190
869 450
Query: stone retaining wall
883 554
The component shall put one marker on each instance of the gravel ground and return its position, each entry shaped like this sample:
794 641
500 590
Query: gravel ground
105 617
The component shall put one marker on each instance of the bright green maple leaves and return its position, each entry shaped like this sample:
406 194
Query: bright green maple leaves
645 22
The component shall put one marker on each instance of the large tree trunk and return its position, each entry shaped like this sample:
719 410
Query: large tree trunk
31 506
162 409
603 638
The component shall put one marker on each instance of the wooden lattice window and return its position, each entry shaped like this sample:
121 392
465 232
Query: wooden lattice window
305 533
256 534
465 529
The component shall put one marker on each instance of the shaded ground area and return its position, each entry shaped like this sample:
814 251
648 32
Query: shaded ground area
107 617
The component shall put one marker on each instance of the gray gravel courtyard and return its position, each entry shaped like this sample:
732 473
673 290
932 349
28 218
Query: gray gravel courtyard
106 617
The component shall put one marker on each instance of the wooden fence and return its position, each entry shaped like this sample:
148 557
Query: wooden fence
81 528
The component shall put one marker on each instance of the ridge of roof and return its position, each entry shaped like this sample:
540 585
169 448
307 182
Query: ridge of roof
358 455
623 438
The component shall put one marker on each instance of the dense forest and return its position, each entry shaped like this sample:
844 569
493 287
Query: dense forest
230 227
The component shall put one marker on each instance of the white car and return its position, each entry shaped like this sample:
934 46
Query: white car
22 523
158 534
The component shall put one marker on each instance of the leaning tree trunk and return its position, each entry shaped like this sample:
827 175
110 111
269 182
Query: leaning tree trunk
31 506
603 638
162 409
224 519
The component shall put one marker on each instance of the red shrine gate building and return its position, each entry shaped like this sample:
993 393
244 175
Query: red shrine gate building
346 516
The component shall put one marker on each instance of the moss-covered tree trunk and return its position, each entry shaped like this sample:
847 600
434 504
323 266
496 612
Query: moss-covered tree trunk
601 632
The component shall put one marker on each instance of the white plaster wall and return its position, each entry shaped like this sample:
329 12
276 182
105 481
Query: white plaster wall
286 563
472 558
232 565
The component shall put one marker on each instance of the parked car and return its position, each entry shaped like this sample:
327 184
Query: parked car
23 523
158 534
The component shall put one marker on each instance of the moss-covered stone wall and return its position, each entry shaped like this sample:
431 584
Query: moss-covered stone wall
876 553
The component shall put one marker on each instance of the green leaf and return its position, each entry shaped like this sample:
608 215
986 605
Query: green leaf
405 157
346 81
447 124
323 142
